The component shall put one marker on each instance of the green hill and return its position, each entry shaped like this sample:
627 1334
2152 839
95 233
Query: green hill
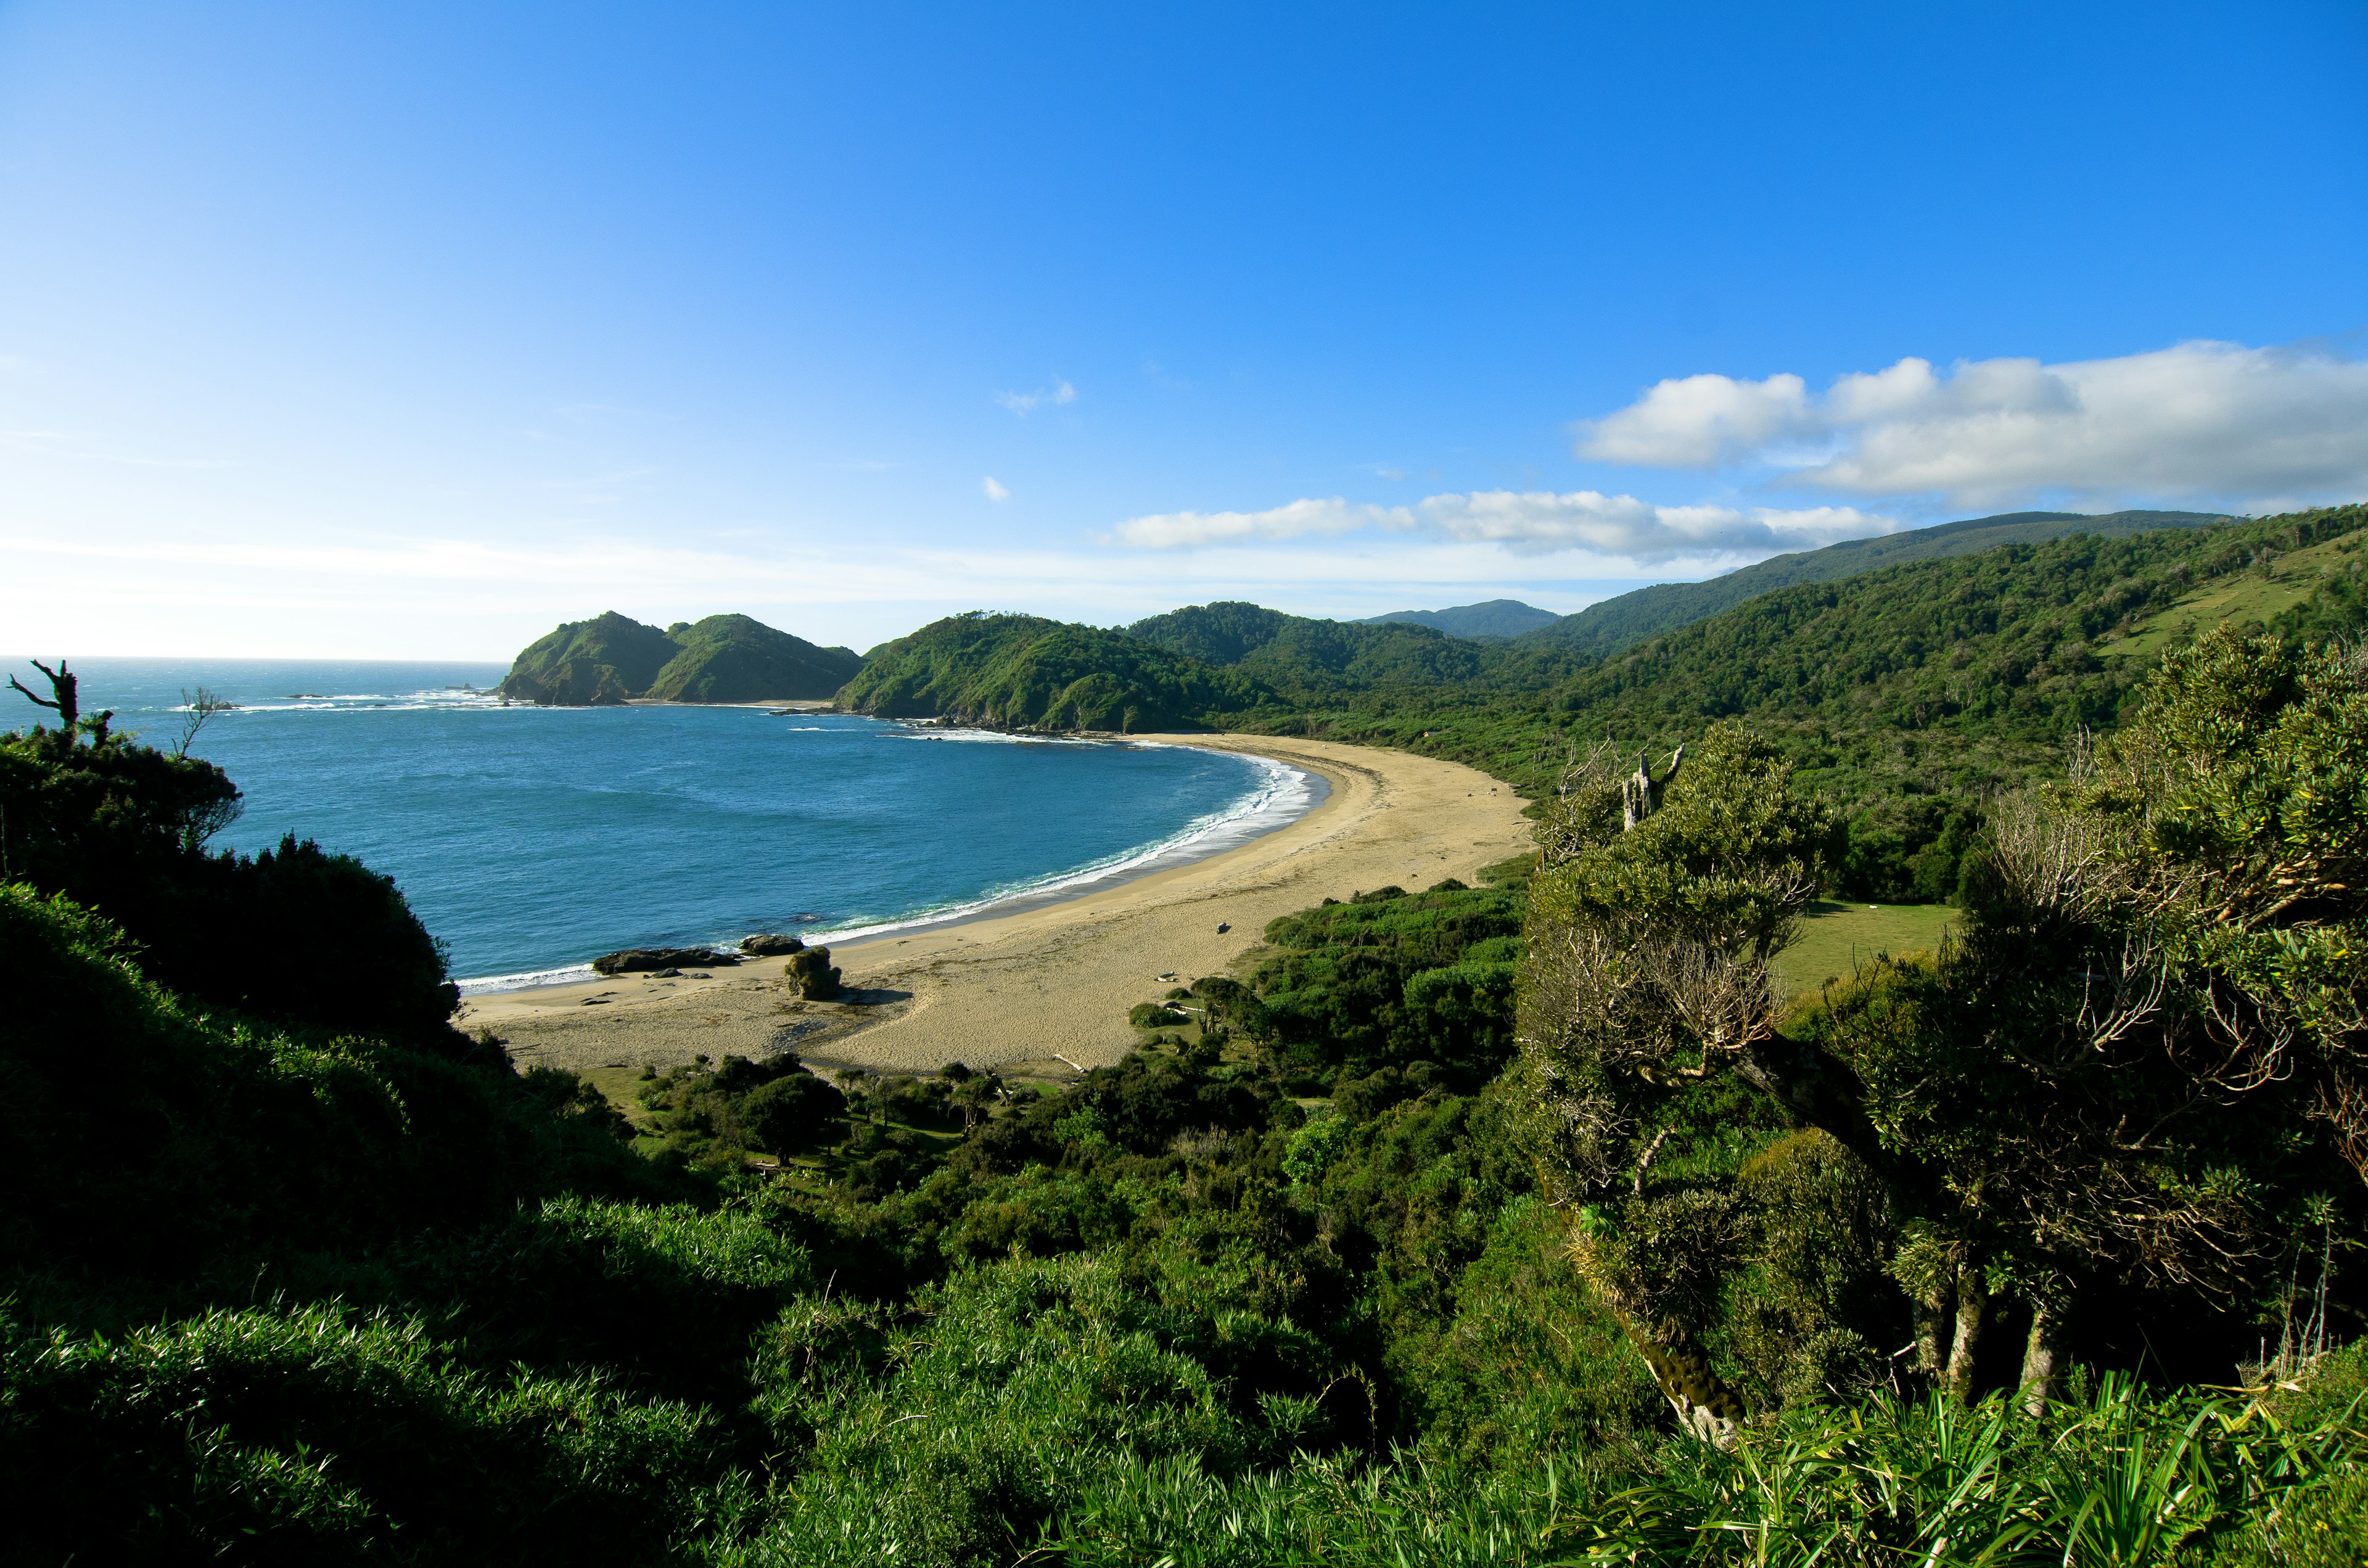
730 658
1606 628
1024 672
725 658
1301 657
1494 618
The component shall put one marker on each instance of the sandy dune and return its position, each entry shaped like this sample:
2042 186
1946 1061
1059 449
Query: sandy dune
1033 990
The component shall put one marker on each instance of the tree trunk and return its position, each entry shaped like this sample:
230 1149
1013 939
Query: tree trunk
1973 1302
2041 1352
1705 1407
1930 1313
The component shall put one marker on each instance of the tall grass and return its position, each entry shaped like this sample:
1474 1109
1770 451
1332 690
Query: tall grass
2115 1478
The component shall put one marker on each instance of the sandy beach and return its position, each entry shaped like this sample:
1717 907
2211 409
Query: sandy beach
1044 990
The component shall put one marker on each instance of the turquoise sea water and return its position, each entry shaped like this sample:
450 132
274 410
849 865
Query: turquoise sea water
530 839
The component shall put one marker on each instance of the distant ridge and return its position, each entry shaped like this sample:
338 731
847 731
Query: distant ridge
1606 628
1495 617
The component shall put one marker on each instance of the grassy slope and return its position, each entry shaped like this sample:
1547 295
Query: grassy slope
1836 938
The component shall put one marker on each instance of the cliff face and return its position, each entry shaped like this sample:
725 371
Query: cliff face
725 658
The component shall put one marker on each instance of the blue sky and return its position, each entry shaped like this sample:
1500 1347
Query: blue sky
409 330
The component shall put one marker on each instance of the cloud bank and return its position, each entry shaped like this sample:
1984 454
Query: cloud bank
2201 419
1532 522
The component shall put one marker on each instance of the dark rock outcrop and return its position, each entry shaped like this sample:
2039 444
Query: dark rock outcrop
632 960
770 945
817 981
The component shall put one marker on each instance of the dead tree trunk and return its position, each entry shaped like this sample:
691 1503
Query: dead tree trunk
61 698
1640 793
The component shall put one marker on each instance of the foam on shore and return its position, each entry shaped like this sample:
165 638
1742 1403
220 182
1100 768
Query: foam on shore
1283 795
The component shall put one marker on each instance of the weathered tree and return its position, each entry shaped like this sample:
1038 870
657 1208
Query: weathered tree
64 698
1650 938
197 710
2157 995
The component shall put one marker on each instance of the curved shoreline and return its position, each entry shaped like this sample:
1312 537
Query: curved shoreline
1250 819
1046 989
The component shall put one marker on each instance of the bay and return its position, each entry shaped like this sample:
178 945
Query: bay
530 839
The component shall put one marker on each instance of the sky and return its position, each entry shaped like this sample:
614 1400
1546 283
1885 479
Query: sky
411 330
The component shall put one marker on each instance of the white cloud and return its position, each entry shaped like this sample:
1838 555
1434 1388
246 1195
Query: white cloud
2216 420
1027 403
994 492
1531 522
1187 531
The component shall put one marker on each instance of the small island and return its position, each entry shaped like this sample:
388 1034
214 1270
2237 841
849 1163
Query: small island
613 659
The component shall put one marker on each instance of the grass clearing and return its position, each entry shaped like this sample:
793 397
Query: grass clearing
2253 595
1836 938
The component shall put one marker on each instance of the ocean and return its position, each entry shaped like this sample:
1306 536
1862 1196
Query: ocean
530 839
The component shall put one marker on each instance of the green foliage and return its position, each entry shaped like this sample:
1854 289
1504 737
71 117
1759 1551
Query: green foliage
1391 982
1491 617
725 658
585 663
295 933
2120 1478
216 1135
1616 623
716 1115
281 1291
730 658
1313 1148
312 1434
1904 693
1299 658
1021 672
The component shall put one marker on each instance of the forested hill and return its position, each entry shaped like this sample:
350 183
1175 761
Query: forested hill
614 658
1907 693
1606 628
1495 618
1024 672
1300 658
1929 678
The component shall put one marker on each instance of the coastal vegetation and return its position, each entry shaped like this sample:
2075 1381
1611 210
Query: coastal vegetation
1540 1222
1026 673
1612 624
613 659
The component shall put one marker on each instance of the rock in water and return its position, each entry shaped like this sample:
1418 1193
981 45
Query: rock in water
633 959
817 981
770 945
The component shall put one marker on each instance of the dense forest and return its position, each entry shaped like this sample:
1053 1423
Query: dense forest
1530 1222
1615 623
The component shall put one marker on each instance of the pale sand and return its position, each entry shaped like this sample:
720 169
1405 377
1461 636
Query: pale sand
1032 991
